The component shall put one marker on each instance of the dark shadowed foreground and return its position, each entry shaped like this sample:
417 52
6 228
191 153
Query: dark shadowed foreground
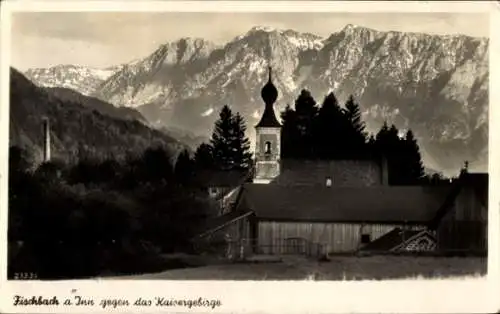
338 268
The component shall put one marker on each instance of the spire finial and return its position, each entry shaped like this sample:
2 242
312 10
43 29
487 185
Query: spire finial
270 73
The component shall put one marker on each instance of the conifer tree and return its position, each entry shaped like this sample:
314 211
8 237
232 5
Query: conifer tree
306 110
184 168
329 129
230 148
240 144
203 157
356 134
221 140
387 145
289 133
413 160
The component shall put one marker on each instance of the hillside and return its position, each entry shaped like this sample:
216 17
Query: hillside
75 129
69 95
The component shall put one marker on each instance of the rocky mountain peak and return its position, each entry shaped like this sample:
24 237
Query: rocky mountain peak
435 85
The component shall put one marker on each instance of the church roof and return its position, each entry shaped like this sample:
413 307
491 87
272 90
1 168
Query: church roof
378 204
268 119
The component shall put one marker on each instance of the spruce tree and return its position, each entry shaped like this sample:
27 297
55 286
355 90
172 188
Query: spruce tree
306 110
230 148
222 136
387 145
289 133
184 168
356 134
413 160
203 157
329 129
240 144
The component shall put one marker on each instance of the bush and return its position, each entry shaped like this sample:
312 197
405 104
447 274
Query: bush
85 222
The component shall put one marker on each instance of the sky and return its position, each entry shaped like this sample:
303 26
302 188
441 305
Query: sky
101 39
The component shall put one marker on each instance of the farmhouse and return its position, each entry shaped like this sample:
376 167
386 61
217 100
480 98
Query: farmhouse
339 206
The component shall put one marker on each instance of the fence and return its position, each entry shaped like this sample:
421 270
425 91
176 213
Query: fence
291 246
241 249
244 248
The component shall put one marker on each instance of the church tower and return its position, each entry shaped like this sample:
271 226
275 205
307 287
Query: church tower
268 138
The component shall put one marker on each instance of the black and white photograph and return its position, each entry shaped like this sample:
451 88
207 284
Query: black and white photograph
248 146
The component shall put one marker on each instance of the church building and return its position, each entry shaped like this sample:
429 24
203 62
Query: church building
339 206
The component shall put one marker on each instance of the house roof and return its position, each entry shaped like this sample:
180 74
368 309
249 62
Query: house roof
221 178
411 204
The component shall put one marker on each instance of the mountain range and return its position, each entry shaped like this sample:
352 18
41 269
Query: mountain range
435 85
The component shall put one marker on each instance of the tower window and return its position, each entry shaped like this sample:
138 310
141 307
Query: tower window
328 181
267 148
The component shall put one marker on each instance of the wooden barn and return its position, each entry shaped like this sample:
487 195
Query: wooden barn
278 219
342 206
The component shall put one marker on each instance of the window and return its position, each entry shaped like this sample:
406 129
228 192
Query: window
212 191
328 181
268 148
365 238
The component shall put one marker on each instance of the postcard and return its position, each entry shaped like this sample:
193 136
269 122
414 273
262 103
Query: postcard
250 156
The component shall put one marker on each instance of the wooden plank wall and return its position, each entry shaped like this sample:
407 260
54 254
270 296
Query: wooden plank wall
339 237
465 227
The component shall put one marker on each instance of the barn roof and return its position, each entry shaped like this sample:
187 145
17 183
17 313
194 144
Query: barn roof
411 204
213 224
306 172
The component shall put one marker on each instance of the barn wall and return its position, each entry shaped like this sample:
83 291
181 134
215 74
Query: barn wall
339 237
468 207
465 226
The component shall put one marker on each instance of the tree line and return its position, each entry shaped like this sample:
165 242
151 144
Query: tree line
326 131
329 131
97 216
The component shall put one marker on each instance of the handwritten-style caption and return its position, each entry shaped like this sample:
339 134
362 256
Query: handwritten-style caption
106 303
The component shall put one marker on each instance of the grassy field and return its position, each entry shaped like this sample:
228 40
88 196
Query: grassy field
338 268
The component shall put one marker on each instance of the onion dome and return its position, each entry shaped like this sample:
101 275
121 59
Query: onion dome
269 94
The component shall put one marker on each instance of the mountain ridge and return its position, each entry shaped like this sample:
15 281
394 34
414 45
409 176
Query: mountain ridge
436 85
